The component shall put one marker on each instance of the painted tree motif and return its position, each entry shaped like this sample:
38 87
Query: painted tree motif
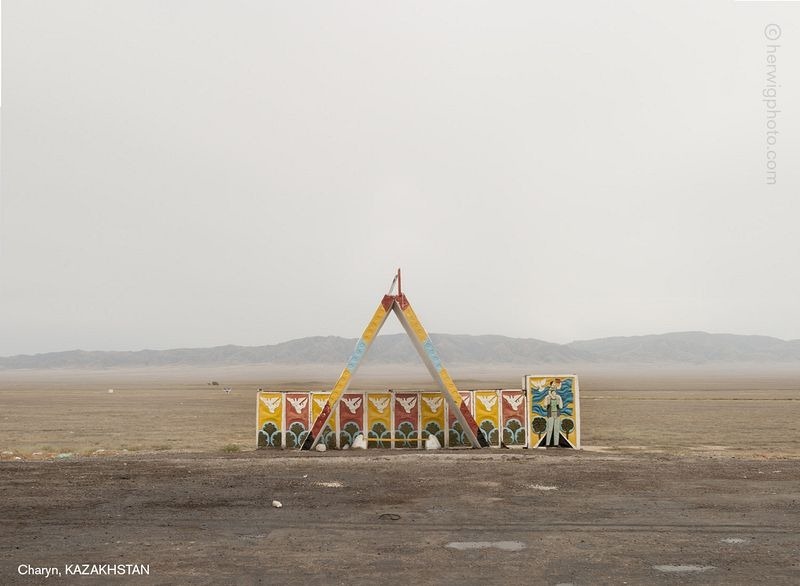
329 437
407 434
349 433
379 434
489 431
296 435
456 435
539 424
269 436
514 433
433 429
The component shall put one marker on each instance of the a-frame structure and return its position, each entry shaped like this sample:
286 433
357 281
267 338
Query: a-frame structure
422 342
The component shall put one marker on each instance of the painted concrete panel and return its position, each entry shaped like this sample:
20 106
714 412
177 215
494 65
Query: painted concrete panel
513 417
456 437
318 403
553 410
351 418
406 420
545 412
487 415
298 416
432 408
270 420
379 420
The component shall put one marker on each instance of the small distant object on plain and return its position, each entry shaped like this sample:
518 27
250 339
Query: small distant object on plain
214 383
277 504
110 391
228 390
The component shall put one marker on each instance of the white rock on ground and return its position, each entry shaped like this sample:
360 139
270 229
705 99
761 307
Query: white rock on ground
432 443
360 442
320 448
277 504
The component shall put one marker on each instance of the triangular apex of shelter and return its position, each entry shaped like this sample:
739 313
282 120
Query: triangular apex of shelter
399 305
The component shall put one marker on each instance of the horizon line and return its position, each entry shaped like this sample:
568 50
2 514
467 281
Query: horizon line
402 334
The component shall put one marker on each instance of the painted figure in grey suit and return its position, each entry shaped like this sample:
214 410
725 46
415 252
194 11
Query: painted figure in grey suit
553 404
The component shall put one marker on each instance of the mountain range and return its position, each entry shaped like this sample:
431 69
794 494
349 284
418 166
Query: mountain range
672 348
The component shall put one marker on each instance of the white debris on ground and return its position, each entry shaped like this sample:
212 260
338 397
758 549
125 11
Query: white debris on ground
333 484
277 504
681 569
320 448
733 540
360 442
432 443
110 391
502 545
541 487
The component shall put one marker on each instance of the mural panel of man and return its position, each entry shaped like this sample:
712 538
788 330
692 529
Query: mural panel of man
553 404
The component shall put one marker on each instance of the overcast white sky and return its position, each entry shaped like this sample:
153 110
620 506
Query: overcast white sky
193 173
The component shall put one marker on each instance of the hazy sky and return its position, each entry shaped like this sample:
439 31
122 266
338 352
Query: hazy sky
189 173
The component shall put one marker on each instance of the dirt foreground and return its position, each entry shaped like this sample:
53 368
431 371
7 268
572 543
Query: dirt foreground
689 477
526 516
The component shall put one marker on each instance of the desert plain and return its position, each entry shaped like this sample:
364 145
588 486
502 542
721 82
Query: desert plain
687 475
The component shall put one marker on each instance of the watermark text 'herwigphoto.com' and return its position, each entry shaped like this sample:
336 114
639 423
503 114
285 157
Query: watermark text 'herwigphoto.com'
769 94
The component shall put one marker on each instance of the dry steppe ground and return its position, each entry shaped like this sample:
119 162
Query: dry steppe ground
688 476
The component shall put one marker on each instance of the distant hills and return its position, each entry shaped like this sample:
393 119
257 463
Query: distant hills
673 348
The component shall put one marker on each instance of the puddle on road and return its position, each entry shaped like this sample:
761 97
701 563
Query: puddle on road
502 545
681 569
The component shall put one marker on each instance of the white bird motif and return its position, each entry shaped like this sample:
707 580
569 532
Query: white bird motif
380 403
514 400
321 403
433 402
407 403
272 403
488 402
298 403
352 404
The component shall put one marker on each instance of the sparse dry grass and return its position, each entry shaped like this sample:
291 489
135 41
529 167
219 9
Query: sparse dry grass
156 411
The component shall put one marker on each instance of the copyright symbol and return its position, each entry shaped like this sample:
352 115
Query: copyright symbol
772 32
